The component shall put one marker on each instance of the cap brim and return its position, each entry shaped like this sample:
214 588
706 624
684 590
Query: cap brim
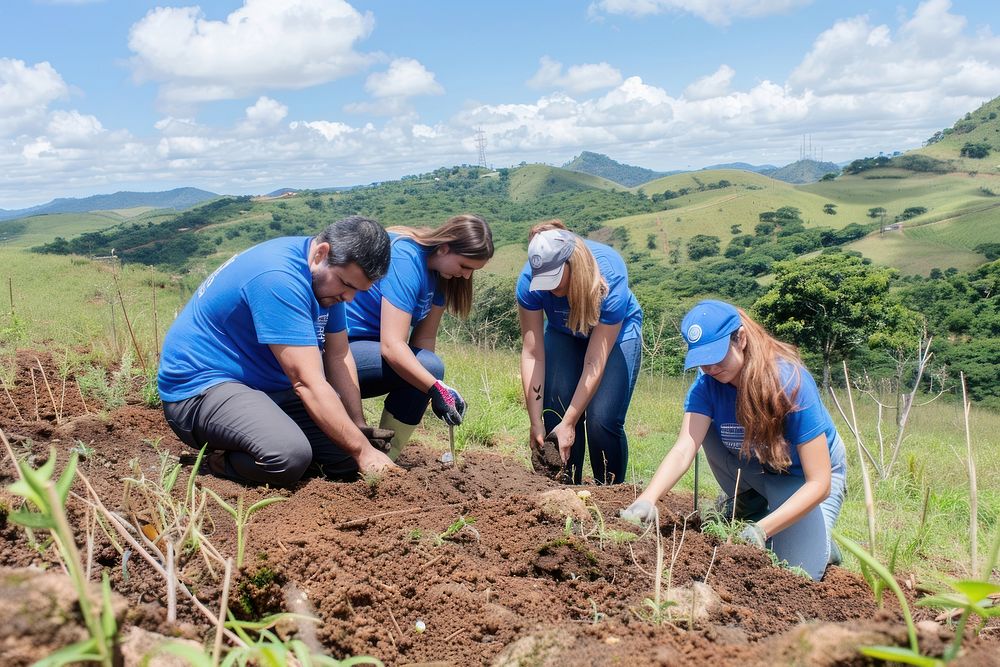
707 354
548 280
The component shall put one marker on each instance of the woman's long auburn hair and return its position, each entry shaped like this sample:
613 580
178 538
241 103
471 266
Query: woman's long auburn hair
466 235
762 402
587 287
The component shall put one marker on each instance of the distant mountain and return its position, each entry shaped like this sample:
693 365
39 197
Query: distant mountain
596 164
803 171
177 199
745 166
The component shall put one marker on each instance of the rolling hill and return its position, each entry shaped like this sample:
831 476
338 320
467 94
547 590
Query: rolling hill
177 199
600 165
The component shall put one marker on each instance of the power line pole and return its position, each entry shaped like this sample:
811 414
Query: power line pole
481 145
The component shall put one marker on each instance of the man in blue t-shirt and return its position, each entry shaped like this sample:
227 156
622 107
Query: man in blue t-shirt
257 365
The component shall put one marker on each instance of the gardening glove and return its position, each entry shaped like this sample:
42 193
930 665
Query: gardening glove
448 404
641 511
380 438
754 535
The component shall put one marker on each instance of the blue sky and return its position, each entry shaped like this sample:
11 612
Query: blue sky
246 96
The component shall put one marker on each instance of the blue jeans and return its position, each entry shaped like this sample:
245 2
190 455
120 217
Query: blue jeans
602 428
376 377
806 543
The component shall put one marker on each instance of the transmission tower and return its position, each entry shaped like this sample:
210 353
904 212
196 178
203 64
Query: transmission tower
481 145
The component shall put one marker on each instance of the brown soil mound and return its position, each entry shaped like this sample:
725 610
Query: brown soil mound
391 571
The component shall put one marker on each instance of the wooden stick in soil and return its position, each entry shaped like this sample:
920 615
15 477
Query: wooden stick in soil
11 398
119 526
34 391
354 523
128 323
223 609
973 491
156 329
10 289
865 477
171 585
45 378
736 492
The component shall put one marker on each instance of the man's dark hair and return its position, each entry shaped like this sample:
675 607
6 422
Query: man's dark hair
360 240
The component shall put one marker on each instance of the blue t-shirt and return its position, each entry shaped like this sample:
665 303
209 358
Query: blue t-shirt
620 305
807 420
259 297
408 285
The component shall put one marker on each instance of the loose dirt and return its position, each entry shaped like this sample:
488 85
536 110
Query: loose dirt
516 583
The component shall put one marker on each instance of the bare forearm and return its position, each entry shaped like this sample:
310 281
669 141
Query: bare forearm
399 355
671 469
533 384
343 377
324 406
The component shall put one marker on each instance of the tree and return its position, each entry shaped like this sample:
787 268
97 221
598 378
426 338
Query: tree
830 305
703 245
975 150
830 209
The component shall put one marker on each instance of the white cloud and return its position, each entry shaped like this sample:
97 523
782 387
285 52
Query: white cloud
263 115
25 93
718 12
264 44
713 85
577 79
860 88
405 77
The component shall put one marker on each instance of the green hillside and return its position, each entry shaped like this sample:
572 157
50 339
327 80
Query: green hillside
536 180
981 126
39 229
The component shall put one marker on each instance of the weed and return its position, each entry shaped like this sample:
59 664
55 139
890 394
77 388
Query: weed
415 535
601 529
241 517
454 529
83 449
372 478
49 500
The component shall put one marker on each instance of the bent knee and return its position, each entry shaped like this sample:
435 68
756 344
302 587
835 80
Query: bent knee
432 363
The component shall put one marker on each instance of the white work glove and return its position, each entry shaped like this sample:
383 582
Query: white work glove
641 511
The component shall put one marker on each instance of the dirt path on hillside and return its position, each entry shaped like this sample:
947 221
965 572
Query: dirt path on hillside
518 584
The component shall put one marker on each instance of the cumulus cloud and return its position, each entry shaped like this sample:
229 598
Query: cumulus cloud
405 77
577 79
25 93
859 88
263 115
713 85
718 12
263 45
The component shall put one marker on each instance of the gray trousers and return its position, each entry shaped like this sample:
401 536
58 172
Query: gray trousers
271 439
806 543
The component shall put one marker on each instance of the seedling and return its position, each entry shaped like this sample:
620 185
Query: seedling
600 527
49 499
241 517
454 529
83 449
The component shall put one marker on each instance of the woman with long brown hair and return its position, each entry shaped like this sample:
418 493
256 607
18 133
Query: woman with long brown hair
393 326
578 374
768 438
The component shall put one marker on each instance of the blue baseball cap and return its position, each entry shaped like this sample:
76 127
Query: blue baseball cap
706 329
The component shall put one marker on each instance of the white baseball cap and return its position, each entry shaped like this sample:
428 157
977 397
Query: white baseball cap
547 256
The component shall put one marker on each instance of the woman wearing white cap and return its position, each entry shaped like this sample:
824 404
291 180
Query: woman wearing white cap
757 413
578 375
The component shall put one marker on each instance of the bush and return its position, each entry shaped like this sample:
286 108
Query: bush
976 151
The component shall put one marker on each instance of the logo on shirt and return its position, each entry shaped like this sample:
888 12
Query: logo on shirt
211 279
732 435
321 328
694 333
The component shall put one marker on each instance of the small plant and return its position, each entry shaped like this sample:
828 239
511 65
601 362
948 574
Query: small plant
49 499
241 517
601 529
83 449
266 649
911 655
454 529
415 535
372 478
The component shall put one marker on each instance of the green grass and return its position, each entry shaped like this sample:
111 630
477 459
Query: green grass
911 255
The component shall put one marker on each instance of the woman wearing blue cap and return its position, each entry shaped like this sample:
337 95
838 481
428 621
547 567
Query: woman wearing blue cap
393 326
578 375
757 413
